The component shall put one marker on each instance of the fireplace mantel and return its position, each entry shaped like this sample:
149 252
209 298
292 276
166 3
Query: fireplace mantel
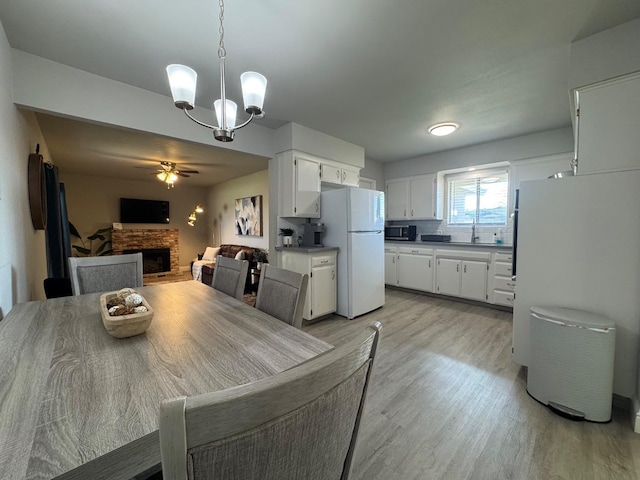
148 238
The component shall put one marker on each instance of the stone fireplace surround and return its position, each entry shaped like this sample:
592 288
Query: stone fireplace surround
140 239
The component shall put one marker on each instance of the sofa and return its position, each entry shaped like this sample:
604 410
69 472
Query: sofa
202 267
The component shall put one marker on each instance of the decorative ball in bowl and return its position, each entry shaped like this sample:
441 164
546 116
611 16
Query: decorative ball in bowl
125 313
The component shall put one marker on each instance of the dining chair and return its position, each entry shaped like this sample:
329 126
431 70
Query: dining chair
281 294
300 423
105 274
230 276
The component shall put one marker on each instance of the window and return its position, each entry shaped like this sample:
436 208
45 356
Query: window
477 196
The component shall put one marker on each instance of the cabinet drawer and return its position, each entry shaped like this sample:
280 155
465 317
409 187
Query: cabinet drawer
503 298
506 257
503 283
415 251
322 260
503 269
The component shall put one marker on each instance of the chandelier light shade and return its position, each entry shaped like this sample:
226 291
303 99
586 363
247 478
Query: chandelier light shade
230 110
183 79
254 87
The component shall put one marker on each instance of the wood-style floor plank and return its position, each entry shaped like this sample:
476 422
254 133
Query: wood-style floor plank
447 402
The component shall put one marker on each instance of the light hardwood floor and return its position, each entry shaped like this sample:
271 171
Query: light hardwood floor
447 402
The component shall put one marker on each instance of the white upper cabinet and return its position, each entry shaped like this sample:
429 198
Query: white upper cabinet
339 175
397 199
608 124
412 198
299 182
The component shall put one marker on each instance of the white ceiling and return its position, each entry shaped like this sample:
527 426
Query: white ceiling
375 73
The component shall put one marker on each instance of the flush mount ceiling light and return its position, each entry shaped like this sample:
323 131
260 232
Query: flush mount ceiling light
182 80
442 129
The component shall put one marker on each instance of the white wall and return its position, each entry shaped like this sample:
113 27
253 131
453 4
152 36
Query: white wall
44 85
22 249
220 215
94 203
375 170
535 145
608 54
293 136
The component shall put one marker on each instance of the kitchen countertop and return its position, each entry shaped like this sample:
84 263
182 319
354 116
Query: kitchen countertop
306 249
419 243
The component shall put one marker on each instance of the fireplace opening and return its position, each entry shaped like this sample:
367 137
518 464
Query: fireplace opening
154 260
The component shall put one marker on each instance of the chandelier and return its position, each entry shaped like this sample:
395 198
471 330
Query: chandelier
182 80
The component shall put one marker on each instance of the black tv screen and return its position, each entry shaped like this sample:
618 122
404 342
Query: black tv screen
134 210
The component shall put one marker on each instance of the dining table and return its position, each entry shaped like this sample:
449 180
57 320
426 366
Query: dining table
77 403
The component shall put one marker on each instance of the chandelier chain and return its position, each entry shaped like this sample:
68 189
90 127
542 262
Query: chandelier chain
222 53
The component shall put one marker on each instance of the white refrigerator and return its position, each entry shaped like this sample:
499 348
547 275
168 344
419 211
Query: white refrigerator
354 222
579 247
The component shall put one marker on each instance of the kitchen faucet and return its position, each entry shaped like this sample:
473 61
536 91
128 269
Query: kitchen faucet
473 232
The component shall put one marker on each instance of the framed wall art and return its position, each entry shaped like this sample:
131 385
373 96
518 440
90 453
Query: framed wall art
249 216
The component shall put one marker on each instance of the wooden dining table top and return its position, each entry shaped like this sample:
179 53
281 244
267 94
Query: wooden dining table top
76 402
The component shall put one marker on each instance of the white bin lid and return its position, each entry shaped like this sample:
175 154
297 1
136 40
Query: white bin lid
573 318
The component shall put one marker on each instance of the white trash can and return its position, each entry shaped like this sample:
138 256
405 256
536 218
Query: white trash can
571 364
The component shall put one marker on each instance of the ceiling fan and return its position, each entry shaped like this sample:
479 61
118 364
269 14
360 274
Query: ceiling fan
168 173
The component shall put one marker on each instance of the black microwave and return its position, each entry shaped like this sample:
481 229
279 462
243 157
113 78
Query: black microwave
400 232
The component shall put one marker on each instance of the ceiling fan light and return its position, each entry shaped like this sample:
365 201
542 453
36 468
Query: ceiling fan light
171 177
442 129
192 216
254 86
182 80
231 108
191 223
162 176
199 208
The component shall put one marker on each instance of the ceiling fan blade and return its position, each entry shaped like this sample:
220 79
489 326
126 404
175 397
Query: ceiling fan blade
182 174
189 171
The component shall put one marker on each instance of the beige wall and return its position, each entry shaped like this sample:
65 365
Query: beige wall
221 211
94 202
22 250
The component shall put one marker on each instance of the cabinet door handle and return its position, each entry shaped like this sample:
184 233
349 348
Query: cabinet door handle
412 212
465 269
393 259
344 176
405 212
429 263
457 267
338 174
316 207
333 274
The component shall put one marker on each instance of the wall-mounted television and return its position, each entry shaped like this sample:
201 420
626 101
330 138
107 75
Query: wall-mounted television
133 210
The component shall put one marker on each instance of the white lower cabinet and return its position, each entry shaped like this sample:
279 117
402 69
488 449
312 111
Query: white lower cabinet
415 268
462 274
503 283
455 272
321 290
390 271
448 276
474 280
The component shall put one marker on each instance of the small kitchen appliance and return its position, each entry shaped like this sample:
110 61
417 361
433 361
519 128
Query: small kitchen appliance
400 232
312 235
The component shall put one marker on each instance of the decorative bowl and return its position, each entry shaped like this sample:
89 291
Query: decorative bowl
123 326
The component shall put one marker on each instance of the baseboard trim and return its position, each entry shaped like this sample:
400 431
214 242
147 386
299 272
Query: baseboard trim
635 413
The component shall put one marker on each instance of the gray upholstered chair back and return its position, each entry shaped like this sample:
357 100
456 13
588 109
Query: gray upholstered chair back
282 293
105 274
230 275
299 424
